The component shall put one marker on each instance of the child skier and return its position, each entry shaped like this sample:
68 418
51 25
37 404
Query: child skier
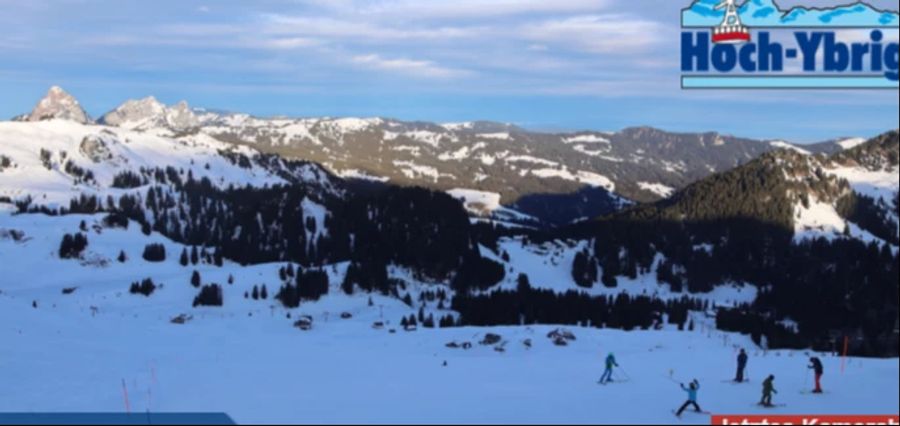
692 397
610 364
815 364
742 365
768 390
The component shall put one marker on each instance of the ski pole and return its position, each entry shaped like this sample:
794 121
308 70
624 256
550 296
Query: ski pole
806 380
625 373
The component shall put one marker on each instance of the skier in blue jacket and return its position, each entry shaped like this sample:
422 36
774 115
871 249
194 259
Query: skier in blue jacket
610 365
692 391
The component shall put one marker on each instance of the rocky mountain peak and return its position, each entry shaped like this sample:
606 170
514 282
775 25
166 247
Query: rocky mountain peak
149 113
58 104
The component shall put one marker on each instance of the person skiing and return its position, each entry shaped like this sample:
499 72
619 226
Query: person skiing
692 391
742 365
610 364
768 390
815 364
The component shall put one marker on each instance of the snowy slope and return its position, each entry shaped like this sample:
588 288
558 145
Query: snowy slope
483 204
549 266
108 151
821 220
246 359
785 145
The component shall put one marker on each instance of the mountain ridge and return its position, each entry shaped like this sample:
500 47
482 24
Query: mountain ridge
586 173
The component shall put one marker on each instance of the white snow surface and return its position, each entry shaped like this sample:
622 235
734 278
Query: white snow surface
788 146
318 213
589 138
879 185
361 175
821 220
586 178
851 143
498 136
657 188
549 266
484 203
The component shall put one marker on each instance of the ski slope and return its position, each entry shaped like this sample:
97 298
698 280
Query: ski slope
73 352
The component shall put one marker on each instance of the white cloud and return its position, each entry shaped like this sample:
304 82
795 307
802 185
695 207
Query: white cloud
479 9
610 34
290 43
341 28
418 68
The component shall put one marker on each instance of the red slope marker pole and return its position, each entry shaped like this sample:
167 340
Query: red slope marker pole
846 351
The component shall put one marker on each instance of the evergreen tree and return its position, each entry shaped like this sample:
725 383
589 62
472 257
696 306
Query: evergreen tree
195 256
184 261
264 293
122 257
145 287
210 295
523 285
218 257
255 293
195 279
72 246
155 253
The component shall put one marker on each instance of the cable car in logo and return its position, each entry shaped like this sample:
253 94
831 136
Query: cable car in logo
731 30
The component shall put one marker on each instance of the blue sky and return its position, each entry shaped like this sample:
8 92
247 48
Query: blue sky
550 65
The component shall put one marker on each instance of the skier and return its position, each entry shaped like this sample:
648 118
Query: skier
610 364
742 365
768 390
692 397
815 364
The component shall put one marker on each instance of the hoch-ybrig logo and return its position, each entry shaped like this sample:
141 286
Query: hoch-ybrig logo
755 44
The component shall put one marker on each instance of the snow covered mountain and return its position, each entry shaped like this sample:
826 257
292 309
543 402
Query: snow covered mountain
555 178
54 161
640 164
58 105
148 113
815 196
